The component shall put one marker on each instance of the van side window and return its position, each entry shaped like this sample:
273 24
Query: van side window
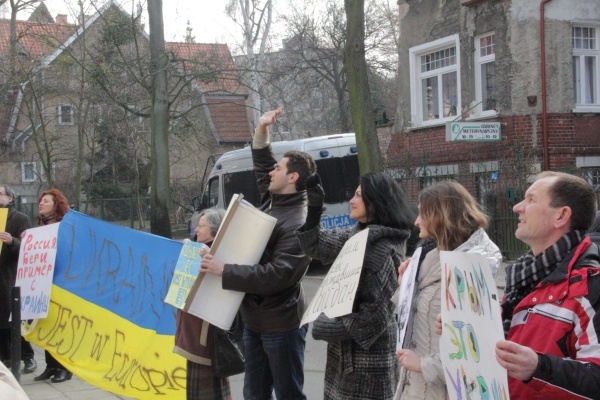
243 182
338 177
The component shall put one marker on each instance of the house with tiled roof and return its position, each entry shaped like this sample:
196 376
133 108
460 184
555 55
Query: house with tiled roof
64 89
225 97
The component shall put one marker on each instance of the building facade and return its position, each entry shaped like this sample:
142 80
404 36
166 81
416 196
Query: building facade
76 104
520 77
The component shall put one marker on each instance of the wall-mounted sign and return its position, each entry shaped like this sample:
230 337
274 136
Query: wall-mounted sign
473 132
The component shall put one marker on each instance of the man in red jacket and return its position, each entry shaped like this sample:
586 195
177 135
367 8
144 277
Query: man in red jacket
551 309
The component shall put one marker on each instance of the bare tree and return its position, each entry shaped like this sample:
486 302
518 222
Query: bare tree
255 21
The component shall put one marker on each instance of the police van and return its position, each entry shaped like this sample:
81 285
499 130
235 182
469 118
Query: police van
337 164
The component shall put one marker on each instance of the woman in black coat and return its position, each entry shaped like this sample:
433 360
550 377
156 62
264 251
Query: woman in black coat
361 363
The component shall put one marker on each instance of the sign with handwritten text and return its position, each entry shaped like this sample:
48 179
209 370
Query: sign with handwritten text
35 270
186 271
335 296
107 322
472 325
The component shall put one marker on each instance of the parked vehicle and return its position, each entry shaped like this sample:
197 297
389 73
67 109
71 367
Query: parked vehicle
337 163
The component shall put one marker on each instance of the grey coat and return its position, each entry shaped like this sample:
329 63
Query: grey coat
361 363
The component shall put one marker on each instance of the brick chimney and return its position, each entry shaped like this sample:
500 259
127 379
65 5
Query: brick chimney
61 19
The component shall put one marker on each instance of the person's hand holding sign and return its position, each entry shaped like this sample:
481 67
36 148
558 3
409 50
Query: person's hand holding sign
211 265
6 238
409 360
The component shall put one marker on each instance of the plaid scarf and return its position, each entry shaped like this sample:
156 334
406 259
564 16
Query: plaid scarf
529 270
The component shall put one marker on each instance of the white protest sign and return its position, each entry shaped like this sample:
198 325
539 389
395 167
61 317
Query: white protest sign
241 239
335 296
36 269
472 325
407 290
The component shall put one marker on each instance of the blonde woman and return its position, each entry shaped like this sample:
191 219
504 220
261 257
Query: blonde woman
450 218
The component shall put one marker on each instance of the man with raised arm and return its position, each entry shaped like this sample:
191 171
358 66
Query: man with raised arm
274 341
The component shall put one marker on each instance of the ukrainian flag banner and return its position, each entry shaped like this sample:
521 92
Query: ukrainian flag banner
107 321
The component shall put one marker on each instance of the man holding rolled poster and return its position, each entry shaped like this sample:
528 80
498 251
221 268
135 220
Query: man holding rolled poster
274 341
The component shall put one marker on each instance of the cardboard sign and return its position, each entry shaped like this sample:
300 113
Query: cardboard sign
3 218
335 296
241 239
184 276
472 325
407 290
35 270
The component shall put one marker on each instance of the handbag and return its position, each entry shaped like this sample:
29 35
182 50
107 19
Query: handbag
227 359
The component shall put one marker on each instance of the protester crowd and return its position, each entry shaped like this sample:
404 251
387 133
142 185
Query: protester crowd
549 311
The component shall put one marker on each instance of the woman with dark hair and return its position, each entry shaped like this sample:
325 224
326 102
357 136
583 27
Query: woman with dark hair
361 363
53 206
449 219
193 335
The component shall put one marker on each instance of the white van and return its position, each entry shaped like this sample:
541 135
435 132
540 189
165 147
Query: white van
337 164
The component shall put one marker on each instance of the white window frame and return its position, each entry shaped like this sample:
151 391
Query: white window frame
71 120
479 61
587 107
31 166
415 53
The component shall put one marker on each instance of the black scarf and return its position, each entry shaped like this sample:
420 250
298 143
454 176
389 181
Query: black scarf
46 220
529 270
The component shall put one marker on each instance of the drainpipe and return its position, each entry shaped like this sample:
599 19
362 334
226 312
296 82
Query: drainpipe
544 94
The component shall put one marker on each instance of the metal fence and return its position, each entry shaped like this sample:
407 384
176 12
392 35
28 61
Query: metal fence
133 212
496 191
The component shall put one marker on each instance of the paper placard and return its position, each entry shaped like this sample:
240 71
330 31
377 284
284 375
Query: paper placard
335 296
35 270
241 239
3 218
186 271
407 290
472 325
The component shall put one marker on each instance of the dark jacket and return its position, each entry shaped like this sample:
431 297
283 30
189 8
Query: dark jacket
559 320
361 359
16 223
594 232
274 300
193 337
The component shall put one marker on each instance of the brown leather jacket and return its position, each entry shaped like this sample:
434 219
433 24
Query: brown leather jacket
274 300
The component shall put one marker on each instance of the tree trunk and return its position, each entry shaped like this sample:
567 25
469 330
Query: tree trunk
160 223
369 154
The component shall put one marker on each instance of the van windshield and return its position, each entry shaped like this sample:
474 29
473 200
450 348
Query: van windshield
213 193
339 177
243 182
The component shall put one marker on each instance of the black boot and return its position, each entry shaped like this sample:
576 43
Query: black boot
29 365
47 374
61 376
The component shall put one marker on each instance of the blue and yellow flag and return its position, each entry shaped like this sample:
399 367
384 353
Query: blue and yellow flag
107 321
